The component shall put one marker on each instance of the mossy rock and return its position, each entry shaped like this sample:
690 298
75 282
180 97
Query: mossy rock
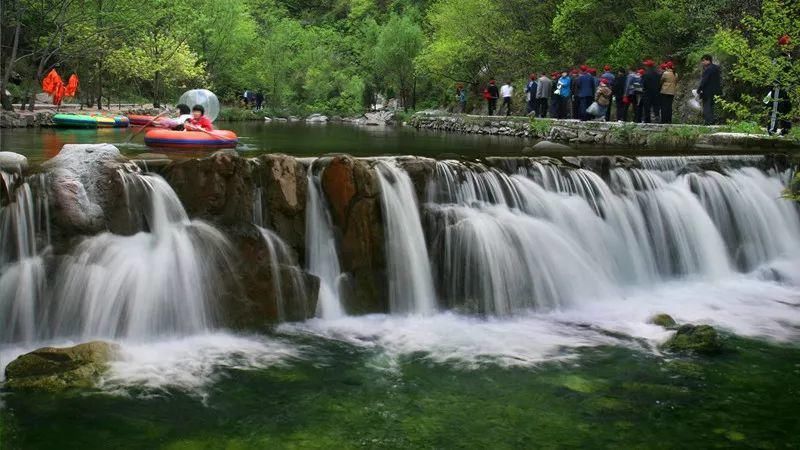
663 320
58 369
702 339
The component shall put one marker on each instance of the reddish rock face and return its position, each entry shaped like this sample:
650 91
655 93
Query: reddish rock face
340 188
352 189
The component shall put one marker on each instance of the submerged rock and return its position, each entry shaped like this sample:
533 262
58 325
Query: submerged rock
548 146
57 369
702 339
663 320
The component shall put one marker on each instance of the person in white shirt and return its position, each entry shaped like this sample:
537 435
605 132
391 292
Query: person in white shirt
506 91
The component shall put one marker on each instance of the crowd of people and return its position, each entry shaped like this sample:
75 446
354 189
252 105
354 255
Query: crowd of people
642 94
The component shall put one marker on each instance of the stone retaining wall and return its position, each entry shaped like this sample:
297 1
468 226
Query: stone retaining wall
611 134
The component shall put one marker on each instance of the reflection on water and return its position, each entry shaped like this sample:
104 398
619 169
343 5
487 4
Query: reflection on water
294 139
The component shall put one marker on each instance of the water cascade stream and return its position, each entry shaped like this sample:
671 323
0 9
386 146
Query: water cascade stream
408 267
321 255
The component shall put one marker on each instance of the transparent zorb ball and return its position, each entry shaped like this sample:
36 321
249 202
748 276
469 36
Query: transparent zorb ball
203 97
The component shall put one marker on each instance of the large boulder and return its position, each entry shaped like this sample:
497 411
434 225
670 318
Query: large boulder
57 369
352 189
87 188
702 339
13 162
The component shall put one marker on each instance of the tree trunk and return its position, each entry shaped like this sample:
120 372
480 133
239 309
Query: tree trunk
99 86
156 103
6 101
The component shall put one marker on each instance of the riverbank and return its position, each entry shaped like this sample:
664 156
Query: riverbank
42 116
604 134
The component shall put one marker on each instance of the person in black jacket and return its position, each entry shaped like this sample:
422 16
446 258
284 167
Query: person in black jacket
710 86
651 81
618 88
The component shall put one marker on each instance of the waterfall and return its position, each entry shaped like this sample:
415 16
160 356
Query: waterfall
408 267
533 235
159 281
23 216
287 277
321 255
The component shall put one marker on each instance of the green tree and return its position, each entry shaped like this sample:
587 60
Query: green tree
399 42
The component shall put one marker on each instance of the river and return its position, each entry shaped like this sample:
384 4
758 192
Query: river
518 295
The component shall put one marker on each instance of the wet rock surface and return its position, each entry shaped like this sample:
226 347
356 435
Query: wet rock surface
58 369
352 189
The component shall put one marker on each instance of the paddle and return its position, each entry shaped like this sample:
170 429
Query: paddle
206 132
148 124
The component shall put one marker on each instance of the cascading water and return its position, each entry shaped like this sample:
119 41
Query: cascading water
544 237
281 260
159 281
321 255
408 267
23 216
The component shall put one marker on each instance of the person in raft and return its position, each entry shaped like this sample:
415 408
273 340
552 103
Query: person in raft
198 122
185 114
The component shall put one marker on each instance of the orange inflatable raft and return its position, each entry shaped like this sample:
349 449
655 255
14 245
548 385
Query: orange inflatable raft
190 139
151 121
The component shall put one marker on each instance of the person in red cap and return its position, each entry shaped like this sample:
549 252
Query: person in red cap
608 75
669 86
633 93
585 87
651 82
491 94
603 98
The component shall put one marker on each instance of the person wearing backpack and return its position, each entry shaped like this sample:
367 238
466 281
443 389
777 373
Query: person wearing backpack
633 92
603 98
669 86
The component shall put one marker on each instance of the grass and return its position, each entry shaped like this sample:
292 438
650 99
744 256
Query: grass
743 127
541 127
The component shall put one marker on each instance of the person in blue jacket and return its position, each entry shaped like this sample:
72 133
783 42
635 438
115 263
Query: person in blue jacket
587 85
564 93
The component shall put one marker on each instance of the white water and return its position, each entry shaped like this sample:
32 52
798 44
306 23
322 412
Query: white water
280 260
321 256
545 239
742 305
22 268
408 267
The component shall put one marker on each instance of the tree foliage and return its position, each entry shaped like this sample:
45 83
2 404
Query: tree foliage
338 55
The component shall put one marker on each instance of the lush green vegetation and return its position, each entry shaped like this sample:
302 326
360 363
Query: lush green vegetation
338 56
